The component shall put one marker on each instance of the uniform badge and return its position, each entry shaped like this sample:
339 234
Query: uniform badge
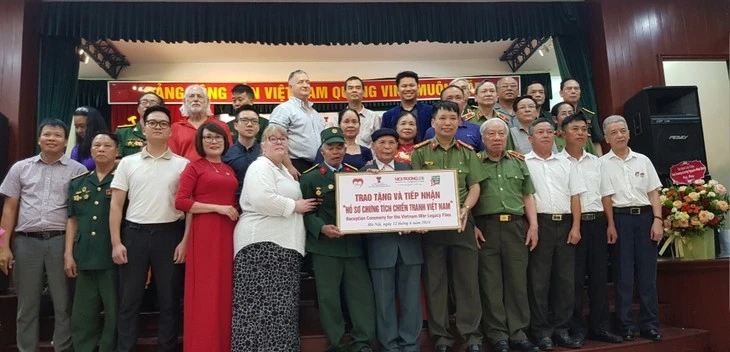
77 198
83 189
322 170
318 192
109 192
330 186
334 130
86 196
428 162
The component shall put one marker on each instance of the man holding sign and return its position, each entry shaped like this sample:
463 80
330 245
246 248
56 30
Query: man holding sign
439 153
338 262
395 265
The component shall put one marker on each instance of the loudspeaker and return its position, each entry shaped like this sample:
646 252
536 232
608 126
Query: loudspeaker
4 146
666 126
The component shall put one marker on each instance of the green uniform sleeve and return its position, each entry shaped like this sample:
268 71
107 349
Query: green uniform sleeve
71 210
477 173
596 132
510 142
590 147
312 222
417 159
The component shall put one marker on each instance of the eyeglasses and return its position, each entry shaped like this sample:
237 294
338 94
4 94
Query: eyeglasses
211 139
252 122
276 140
154 124
149 103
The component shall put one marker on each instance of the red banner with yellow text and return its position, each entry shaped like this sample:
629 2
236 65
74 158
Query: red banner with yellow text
127 92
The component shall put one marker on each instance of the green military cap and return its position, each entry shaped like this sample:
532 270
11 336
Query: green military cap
332 135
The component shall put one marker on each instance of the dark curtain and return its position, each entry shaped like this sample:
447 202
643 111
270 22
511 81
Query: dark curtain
57 78
308 23
542 78
94 93
574 61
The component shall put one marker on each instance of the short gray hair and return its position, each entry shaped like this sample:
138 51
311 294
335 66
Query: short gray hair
491 122
537 122
294 73
461 79
476 89
613 119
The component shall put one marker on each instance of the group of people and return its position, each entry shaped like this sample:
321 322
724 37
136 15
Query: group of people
241 205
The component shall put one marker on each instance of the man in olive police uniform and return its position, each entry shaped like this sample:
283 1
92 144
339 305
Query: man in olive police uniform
88 253
438 153
131 138
338 261
505 201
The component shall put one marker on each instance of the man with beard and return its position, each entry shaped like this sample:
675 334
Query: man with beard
196 107
131 138
407 83
369 120
34 218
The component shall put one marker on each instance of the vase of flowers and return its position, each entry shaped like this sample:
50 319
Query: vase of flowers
691 214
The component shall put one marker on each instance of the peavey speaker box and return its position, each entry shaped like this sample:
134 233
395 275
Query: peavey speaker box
666 126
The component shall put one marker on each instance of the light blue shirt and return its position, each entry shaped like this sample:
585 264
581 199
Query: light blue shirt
303 127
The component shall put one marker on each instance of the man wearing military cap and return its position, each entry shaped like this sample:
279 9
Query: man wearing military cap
505 201
439 153
131 138
338 260
395 261
88 252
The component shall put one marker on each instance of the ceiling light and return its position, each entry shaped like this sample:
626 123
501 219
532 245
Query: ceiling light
540 52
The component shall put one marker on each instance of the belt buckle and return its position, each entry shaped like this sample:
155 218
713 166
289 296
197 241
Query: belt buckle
589 217
635 211
557 217
45 235
504 217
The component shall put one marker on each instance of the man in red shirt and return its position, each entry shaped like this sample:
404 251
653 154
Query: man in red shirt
196 107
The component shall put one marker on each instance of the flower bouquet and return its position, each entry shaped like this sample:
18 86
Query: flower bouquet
691 214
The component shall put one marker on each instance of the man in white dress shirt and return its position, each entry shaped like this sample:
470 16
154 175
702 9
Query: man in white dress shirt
591 253
637 220
551 269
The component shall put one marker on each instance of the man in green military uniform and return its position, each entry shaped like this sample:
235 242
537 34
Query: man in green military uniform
243 94
438 153
338 261
131 138
504 202
88 252
570 92
560 111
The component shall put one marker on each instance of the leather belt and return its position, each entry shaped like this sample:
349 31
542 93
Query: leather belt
633 210
42 235
504 217
592 216
555 217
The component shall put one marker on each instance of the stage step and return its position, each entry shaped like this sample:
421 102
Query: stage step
675 340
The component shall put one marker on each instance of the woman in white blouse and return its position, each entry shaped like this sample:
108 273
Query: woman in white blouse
268 249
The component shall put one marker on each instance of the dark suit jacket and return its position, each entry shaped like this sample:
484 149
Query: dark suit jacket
383 248
390 117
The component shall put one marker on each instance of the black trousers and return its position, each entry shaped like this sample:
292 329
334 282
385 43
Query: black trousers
551 279
591 259
150 245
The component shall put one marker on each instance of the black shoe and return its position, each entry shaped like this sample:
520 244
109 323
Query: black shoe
500 346
524 346
652 334
444 348
473 348
628 335
564 340
366 349
579 338
545 344
607 336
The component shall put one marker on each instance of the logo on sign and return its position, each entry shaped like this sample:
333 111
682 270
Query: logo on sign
687 172
357 182
678 137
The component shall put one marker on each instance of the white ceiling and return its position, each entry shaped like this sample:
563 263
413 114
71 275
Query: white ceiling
142 53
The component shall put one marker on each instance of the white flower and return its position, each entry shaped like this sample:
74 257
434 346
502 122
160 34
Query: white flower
663 198
711 195
682 188
674 210
703 192
713 182
665 190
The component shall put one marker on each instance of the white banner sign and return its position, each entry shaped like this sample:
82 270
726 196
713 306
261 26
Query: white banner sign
397 201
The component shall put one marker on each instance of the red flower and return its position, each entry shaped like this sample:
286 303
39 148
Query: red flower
666 211
322 170
715 221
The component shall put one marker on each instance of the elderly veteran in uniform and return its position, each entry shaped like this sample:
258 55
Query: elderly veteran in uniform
395 265
88 254
637 221
34 216
444 151
131 138
505 202
591 253
551 269
338 261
